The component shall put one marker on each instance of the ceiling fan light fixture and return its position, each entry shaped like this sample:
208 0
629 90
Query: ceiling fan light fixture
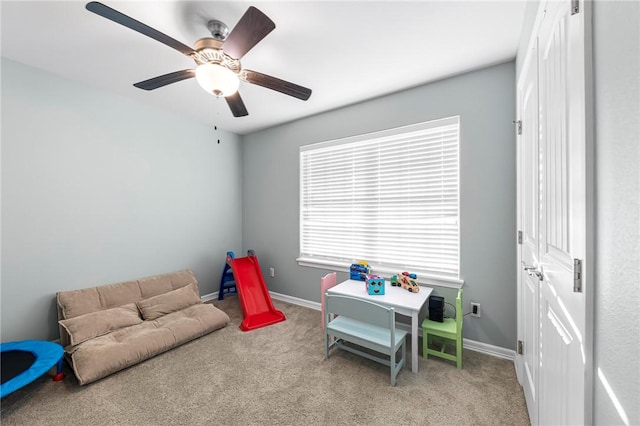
218 69
217 80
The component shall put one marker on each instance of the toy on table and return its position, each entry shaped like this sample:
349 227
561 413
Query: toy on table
407 281
359 271
375 285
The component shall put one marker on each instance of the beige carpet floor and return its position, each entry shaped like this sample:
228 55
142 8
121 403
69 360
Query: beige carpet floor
275 375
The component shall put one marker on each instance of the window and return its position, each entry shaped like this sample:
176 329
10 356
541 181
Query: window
390 198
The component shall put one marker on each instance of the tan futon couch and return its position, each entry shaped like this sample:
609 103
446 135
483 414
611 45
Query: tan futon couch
107 328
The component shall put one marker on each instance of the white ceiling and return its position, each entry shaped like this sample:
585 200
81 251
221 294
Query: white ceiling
345 51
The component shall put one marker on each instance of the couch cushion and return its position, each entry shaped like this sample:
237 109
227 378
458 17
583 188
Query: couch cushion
79 302
152 286
99 357
119 294
166 303
104 355
99 323
197 319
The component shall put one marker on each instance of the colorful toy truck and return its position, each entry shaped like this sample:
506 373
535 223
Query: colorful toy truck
359 271
407 281
375 285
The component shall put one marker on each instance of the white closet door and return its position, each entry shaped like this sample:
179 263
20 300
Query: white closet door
553 317
562 216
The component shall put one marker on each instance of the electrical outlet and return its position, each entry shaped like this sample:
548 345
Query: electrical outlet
475 309
272 272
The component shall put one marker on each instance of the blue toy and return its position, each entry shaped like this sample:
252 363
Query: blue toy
359 271
375 285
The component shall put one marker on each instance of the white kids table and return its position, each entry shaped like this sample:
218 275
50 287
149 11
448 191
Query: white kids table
403 301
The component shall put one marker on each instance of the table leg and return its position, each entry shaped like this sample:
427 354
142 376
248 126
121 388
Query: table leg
414 342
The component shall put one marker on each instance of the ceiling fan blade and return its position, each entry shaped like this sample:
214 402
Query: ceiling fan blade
250 29
237 106
276 84
122 19
163 80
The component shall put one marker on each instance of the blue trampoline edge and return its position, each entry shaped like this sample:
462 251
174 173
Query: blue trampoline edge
47 354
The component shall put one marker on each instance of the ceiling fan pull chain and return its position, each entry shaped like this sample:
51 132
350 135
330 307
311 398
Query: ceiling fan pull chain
215 126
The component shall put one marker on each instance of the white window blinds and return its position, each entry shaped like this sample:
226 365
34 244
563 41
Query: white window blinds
389 198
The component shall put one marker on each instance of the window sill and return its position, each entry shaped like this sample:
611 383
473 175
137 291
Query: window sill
424 279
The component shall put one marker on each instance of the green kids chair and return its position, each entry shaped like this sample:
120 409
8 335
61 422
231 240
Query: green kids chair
448 332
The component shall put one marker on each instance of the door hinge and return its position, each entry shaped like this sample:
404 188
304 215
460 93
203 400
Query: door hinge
520 347
575 6
518 126
519 237
577 276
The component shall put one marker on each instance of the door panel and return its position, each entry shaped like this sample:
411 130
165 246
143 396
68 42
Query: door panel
556 341
562 367
530 337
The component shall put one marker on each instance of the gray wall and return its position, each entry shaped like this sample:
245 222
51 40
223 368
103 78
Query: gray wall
98 189
485 101
617 129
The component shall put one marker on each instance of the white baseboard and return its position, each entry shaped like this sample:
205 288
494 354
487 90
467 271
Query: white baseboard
210 296
296 301
472 345
488 349
274 295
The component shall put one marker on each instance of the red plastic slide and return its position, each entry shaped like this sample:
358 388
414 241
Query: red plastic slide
257 306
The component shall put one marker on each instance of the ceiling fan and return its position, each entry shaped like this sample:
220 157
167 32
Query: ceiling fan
218 57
